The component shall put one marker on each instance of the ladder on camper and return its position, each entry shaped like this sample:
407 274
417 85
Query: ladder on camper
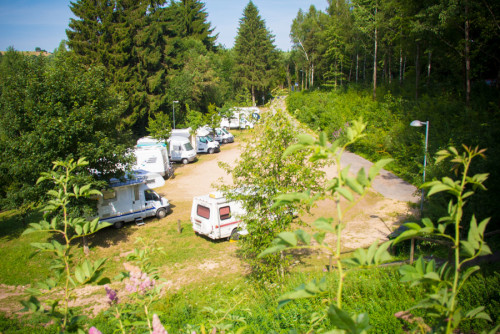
139 221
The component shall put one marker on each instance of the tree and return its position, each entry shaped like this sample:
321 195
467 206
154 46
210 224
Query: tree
259 175
256 54
52 109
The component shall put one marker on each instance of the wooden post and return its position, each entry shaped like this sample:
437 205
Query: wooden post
179 228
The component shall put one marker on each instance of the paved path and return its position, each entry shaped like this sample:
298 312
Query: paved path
386 183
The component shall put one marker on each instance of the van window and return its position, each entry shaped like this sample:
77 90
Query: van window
203 211
203 139
150 195
151 160
225 212
188 147
136 193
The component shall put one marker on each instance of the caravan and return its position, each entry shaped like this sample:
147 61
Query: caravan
132 200
223 136
205 143
242 118
214 216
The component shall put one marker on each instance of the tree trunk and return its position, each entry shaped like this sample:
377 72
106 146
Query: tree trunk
467 55
341 73
357 66
389 72
400 66
417 71
288 77
253 96
429 68
312 75
364 68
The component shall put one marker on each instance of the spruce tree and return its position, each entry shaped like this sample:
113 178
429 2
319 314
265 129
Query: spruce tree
256 55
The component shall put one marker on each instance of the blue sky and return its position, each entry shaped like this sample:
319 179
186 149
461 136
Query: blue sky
26 24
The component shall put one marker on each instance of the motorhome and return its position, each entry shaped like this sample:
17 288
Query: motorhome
205 143
153 159
132 199
242 118
181 150
215 217
223 136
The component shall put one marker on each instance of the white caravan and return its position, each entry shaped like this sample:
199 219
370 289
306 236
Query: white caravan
214 216
132 200
181 150
205 143
153 159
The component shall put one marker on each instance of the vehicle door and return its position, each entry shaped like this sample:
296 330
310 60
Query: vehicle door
138 203
226 221
175 152
151 201
202 144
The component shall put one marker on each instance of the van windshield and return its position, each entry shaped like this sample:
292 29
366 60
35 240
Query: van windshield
227 132
188 147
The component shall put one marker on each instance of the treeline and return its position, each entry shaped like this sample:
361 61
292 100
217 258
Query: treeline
125 66
446 46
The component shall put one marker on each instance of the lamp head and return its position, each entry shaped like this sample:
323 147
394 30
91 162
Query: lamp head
417 123
175 101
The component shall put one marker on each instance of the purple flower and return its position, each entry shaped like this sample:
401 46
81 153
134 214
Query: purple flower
112 295
94 330
157 326
139 282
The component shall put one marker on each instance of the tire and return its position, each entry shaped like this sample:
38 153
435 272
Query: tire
118 225
224 141
161 213
185 161
235 235
210 151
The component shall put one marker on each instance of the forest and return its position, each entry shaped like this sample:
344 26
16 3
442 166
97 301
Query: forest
359 73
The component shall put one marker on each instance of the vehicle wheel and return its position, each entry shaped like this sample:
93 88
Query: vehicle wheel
118 225
185 161
224 141
210 151
161 213
235 235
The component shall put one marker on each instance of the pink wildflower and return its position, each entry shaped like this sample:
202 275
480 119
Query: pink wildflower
139 282
157 326
94 330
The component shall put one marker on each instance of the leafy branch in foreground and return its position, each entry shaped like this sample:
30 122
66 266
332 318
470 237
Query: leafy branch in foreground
444 283
343 186
67 272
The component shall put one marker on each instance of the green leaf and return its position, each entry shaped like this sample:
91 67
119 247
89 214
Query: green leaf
303 236
375 169
319 237
324 224
272 250
345 193
289 238
354 185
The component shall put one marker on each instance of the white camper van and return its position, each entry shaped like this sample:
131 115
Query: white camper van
153 159
205 143
223 136
243 118
132 200
181 150
215 217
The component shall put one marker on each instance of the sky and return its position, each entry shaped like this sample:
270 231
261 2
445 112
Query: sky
27 24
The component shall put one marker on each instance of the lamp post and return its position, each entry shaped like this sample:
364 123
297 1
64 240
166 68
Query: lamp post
173 111
418 124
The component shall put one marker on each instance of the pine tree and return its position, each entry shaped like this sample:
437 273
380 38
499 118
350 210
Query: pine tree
256 55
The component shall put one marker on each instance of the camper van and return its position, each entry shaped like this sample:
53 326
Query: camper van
153 159
205 142
132 200
181 150
242 118
223 136
215 217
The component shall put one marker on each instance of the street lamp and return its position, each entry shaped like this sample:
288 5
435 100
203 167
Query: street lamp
418 124
173 110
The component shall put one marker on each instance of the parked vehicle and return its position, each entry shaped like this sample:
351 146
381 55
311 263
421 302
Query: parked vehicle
153 159
181 150
132 200
205 143
223 136
242 118
212 215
